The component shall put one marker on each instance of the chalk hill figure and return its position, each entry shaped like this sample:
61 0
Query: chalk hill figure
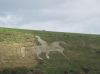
46 48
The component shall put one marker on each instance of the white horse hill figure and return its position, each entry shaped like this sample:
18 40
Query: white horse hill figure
46 48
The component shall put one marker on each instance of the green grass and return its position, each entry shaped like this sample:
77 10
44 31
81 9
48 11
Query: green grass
81 49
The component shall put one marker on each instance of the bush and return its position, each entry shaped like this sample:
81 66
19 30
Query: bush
18 70
86 70
7 71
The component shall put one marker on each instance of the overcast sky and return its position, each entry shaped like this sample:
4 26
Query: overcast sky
82 16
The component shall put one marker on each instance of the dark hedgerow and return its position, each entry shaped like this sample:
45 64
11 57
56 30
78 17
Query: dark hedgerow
18 70
85 70
21 70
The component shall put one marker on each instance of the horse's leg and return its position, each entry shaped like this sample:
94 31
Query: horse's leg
38 56
38 52
47 55
62 52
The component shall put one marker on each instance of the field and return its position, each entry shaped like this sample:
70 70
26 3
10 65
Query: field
82 53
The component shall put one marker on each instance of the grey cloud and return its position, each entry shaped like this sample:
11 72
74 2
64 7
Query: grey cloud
11 5
57 15
10 21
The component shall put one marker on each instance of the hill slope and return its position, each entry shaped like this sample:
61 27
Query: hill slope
22 49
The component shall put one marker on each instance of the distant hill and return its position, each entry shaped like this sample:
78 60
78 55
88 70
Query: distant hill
43 52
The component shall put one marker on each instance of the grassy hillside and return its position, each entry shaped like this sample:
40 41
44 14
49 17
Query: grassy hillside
82 51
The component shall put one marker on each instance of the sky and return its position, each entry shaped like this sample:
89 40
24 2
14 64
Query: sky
77 16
